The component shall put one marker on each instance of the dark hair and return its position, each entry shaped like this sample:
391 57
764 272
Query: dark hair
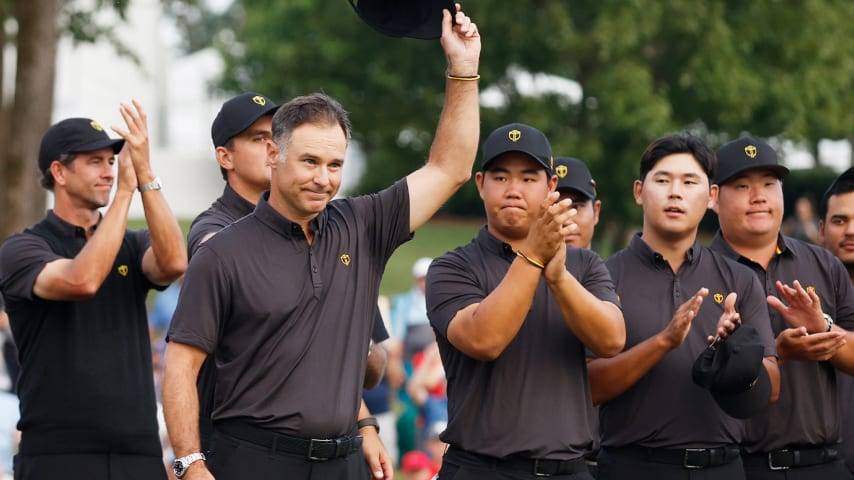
47 180
316 108
679 143
838 187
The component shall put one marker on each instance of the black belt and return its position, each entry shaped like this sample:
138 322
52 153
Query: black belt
314 449
795 457
539 467
693 458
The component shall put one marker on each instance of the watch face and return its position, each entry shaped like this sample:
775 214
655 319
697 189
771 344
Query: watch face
178 468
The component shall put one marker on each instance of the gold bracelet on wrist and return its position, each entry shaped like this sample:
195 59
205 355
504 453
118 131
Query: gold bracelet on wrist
472 78
530 260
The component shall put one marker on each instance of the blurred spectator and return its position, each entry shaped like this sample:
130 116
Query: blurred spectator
427 386
433 445
803 225
162 309
9 360
416 465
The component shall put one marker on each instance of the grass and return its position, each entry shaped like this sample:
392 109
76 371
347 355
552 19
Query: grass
431 240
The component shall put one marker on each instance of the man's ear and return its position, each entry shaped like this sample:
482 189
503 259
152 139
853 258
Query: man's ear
223 157
272 154
57 169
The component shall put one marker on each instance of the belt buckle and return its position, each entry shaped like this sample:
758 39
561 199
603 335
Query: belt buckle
311 445
685 463
537 472
771 460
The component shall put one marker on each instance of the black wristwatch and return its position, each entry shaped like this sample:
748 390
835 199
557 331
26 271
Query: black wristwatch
182 464
368 422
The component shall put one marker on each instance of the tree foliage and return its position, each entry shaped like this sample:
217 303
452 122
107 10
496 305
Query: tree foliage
647 68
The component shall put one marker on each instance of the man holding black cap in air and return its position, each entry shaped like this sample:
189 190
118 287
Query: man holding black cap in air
75 286
836 233
812 311
240 133
676 294
575 182
513 313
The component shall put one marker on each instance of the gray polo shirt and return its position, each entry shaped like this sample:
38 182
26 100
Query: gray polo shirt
665 409
289 323
807 412
534 399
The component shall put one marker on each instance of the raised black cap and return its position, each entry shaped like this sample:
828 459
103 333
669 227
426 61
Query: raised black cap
404 18
573 174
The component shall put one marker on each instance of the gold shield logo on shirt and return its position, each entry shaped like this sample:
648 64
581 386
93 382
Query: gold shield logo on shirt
750 151
96 126
259 100
514 135
719 297
345 259
123 270
810 288
561 171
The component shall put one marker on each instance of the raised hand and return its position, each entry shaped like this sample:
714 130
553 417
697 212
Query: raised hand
547 232
728 319
461 41
802 308
136 139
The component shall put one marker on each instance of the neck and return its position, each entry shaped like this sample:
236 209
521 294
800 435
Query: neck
673 249
515 241
758 252
247 192
84 218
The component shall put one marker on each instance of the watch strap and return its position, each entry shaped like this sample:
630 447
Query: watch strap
369 422
155 184
182 464
829 320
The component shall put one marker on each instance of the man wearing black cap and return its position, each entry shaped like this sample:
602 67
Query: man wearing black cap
836 233
575 182
240 133
289 317
676 295
75 285
812 311
513 313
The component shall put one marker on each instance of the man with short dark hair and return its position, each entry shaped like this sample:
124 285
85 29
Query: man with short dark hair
663 279
811 304
75 286
575 182
836 233
513 312
285 297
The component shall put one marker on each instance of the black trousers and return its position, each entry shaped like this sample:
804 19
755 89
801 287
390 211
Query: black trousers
756 468
616 466
235 459
462 466
89 466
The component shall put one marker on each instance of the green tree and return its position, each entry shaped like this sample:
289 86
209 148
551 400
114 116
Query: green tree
646 68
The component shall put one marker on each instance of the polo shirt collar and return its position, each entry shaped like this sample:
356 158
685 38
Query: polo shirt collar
233 201
491 243
783 247
270 217
62 229
655 259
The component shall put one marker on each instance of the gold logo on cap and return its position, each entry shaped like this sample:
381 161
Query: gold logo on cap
514 135
719 297
123 270
345 259
96 126
259 100
750 151
561 171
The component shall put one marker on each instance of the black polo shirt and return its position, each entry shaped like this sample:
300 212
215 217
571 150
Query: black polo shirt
534 399
289 323
226 210
86 381
665 409
807 412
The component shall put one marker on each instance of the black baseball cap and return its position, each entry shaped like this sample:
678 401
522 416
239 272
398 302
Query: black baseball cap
733 371
746 153
74 135
518 137
239 113
405 18
573 174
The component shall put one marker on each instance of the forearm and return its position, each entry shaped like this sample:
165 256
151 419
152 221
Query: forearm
181 401
598 324
167 240
610 377
844 358
482 331
376 366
